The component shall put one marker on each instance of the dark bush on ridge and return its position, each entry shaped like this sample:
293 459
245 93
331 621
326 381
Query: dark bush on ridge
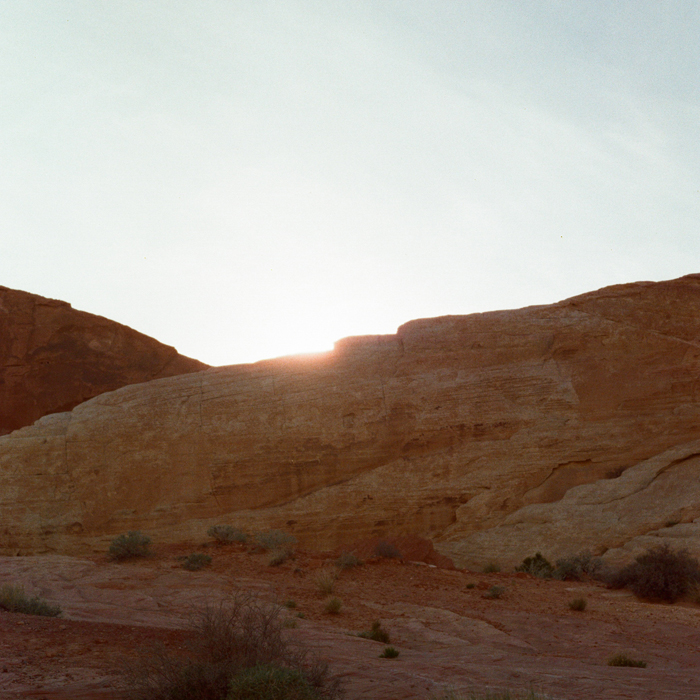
537 566
659 574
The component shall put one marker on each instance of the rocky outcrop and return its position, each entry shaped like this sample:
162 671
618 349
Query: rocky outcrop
53 358
445 430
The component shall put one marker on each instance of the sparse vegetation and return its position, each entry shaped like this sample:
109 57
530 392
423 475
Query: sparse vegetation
325 580
386 550
491 695
130 546
347 560
14 599
376 633
389 653
471 585
274 539
290 604
333 606
491 568
577 604
577 567
624 660
195 562
290 623
494 592
231 642
279 556
227 534
659 574
536 566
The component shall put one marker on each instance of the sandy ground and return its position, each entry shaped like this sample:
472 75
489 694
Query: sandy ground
448 631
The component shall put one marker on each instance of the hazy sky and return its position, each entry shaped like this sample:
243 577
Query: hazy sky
249 178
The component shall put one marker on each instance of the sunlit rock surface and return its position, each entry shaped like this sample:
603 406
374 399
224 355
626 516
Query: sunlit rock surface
466 429
53 357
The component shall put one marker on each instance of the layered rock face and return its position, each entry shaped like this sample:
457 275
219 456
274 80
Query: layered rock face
465 429
53 357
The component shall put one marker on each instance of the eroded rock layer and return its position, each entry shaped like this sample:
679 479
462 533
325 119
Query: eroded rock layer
448 429
53 357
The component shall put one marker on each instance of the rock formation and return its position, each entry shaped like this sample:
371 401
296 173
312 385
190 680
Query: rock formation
53 357
472 430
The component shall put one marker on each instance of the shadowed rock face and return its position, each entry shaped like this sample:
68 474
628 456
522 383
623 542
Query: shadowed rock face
53 358
448 429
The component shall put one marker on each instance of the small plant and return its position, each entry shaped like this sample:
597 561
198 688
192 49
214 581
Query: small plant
386 550
376 634
389 653
291 623
537 566
301 615
333 606
577 604
325 580
14 599
227 534
624 660
195 562
279 556
274 539
130 546
471 585
291 604
271 682
491 695
346 560
659 574
491 568
575 568
494 592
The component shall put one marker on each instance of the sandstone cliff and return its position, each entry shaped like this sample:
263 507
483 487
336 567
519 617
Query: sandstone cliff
53 357
466 429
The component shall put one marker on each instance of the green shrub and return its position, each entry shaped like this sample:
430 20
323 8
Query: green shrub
624 660
578 604
195 562
495 592
14 599
577 567
537 566
270 682
227 534
389 653
130 546
333 606
386 550
274 539
230 640
325 580
491 568
376 634
346 560
659 574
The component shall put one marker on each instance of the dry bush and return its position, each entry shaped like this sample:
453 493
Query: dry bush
325 580
227 534
578 604
537 566
494 592
491 695
279 556
333 606
130 546
387 550
659 574
230 638
376 634
274 539
347 560
491 568
624 660
577 567
268 682
195 562
14 599
389 653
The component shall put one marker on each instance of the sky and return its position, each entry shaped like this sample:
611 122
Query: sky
245 179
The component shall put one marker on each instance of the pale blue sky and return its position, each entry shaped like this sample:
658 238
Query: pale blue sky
246 179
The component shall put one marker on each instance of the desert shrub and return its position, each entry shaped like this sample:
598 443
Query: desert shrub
491 695
491 568
494 592
195 562
387 550
376 633
346 560
14 599
659 574
290 604
290 623
470 586
537 566
279 556
274 539
577 567
624 660
130 546
270 682
333 606
325 580
227 534
229 639
578 604
389 653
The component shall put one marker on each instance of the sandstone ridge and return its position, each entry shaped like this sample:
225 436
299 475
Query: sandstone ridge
473 430
53 357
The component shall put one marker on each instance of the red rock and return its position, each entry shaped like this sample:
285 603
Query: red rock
53 358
